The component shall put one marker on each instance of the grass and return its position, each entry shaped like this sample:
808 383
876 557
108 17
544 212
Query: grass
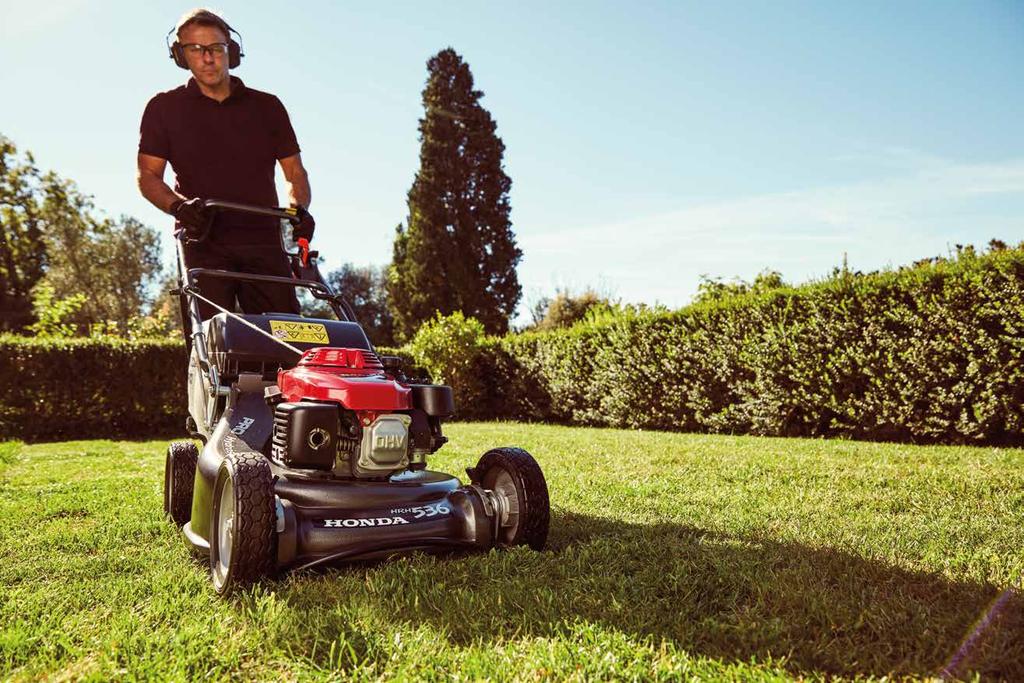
671 556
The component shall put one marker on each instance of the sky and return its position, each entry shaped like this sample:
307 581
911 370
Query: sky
649 144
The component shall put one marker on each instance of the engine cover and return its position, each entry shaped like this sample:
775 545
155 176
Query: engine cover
354 378
384 448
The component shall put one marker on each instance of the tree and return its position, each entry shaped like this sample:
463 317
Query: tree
365 290
457 251
565 309
112 262
165 310
22 254
50 235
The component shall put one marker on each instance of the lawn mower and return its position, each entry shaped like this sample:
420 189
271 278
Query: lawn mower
314 447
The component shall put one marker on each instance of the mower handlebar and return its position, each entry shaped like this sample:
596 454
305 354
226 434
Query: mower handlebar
288 214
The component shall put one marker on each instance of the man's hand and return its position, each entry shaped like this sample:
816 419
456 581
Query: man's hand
192 215
306 225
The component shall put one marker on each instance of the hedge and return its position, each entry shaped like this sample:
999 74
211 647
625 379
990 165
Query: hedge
925 354
87 388
79 388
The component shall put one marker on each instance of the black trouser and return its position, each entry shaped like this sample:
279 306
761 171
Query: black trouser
253 297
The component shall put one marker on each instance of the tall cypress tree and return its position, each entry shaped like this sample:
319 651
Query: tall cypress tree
457 251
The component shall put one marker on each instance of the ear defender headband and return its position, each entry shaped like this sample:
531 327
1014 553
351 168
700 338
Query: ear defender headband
235 54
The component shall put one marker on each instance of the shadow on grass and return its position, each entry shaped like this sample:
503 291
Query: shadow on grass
730 598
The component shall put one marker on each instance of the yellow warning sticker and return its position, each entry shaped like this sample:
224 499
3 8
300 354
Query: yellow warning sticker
286 330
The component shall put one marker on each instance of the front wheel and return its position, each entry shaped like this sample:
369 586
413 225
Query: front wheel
513 474
179 478
243 533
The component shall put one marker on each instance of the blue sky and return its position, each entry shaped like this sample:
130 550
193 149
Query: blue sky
647 143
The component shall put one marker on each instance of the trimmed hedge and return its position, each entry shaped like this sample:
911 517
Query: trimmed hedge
79 388
86 388
927 354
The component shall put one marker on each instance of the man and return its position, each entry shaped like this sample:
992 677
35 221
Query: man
223 141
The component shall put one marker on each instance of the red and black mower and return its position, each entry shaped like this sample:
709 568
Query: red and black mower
314 448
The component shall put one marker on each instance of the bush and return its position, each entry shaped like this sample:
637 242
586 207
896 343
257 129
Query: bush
451 350
565 309
929 354
82 388
52 313
933 353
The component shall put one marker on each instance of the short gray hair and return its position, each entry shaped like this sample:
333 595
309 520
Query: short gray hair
202 17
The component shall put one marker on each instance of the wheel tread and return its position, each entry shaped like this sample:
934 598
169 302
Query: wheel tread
182 459
255 517
518 462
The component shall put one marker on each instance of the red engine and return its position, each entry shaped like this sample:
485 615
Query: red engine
339 410
353 377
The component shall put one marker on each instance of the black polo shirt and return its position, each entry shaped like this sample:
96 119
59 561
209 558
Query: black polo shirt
222 150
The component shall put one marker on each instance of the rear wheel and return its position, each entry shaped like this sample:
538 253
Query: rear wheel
179 478
515 476
242 535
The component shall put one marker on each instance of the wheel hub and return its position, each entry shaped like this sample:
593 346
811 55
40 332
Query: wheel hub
506 499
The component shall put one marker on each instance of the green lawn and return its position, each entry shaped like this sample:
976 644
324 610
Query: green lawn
670 556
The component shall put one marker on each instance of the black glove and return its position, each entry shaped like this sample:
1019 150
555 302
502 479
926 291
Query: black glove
192 215
306 225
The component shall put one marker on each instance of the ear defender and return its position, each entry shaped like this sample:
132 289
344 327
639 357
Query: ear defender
174 50
235 53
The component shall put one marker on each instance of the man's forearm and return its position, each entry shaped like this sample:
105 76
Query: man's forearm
157 192
299 193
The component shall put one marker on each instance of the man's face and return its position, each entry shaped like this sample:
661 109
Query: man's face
208 68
